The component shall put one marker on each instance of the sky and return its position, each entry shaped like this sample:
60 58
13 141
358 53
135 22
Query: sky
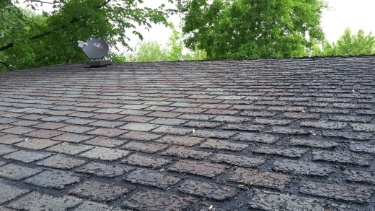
355 14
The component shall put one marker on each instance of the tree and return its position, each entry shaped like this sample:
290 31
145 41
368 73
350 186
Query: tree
19 24
242 29
148 52
348 45
153 51
29 40
176 45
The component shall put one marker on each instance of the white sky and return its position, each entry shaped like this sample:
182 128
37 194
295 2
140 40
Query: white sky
355 14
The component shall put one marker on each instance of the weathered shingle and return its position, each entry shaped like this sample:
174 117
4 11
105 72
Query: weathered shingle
277 134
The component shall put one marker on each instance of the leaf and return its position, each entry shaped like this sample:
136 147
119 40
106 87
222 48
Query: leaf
33 40
348 45
243 29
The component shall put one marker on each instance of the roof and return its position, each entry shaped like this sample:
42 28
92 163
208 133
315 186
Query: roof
287 134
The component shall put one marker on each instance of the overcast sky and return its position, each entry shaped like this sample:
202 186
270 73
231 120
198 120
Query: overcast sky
355 14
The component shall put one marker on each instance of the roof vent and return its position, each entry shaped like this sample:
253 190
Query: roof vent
96 50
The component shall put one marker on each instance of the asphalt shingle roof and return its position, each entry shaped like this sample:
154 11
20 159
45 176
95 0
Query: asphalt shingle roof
288 134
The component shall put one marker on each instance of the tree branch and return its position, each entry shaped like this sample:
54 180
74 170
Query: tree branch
74 20
104 4
42 2
9 45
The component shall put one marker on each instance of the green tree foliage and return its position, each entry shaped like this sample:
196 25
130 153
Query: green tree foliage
228 29
176 46
348 45
154 52
21 24
29 40
148 52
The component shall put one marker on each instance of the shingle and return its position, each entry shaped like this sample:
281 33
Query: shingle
207 135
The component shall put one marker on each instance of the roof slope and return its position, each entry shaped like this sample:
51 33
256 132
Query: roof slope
290 134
